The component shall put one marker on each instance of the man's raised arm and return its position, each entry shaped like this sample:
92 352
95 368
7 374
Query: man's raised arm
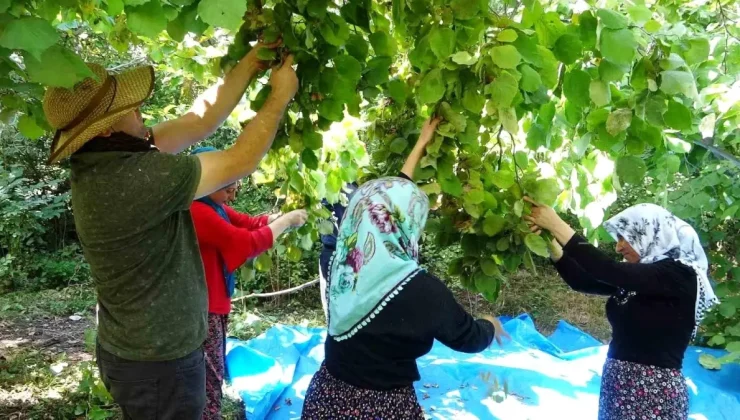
211 108
222 168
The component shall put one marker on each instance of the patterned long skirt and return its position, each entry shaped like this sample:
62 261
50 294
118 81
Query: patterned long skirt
632 391
329 398
215 353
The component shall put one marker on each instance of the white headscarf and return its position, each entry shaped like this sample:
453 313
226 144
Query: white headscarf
656 234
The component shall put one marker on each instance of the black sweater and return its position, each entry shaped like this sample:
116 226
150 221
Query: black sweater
382 355
653 318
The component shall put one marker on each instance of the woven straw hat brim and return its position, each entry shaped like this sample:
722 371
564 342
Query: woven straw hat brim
129 91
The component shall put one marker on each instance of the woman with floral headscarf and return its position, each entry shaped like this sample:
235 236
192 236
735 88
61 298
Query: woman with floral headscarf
657 299
385 311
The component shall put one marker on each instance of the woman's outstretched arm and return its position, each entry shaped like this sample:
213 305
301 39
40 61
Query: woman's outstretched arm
427 133
662 278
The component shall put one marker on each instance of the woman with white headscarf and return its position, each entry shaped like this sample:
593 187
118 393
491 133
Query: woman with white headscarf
657 299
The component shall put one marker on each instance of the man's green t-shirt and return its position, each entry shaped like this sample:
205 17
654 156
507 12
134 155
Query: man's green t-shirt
132 213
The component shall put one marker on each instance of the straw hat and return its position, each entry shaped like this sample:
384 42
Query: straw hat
93 106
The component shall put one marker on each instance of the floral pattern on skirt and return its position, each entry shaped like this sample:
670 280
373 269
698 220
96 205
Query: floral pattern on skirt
633 391
214 350
329 398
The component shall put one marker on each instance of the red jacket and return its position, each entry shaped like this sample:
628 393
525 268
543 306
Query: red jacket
233 243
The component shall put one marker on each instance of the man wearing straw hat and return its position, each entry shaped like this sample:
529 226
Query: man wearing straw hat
131 197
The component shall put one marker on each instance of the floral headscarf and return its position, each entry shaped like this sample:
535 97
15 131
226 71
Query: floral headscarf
656 234
377 252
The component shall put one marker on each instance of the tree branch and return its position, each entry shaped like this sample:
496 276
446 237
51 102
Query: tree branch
717 152
278 293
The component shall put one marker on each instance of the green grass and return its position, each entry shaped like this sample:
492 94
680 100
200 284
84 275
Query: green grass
70 300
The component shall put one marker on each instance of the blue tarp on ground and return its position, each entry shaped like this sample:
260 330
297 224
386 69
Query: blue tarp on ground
554 377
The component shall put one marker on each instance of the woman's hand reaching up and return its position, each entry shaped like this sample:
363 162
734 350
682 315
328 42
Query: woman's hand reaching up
544 217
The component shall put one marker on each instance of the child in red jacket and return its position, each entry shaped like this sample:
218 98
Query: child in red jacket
227 239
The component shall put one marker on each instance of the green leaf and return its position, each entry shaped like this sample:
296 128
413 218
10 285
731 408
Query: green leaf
266 54
115 7
506 56
472 100
465 9
507 35
149 20
464 58
618 121
348 67
587 29
221 13
503 179
674 82
568 48
398 90
334 30
698 51
532 12
442 41
398 145
649 133
493 224
531 80
451 185
313 140
631 169
309 159
733 347
488 286
652 26
356 12
58 67
549 29
677 116
610 72
611 19
709 362
576 87
727 309
537 245
717 340
672 164
527 47
130 2
383 44
600 93
618 46
332 110
508 119
29 129
4 5
260 99
640 14
378 70
489 267
543 191
357 47
432 188
452 117
503 90
263 263
432 87
31 34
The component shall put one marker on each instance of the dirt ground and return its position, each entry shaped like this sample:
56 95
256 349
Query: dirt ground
52 335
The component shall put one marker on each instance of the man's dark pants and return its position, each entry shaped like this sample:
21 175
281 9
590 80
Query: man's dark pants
173 389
